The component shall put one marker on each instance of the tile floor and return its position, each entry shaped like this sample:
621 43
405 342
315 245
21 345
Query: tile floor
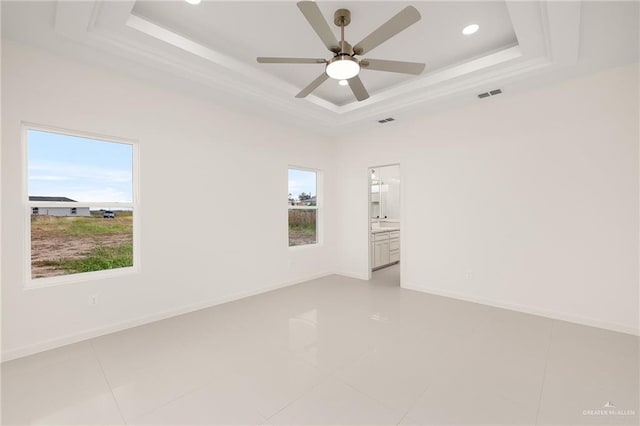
334 351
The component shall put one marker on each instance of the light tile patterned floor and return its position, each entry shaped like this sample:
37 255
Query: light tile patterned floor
334 351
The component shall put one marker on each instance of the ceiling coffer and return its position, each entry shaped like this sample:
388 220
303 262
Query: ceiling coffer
344 65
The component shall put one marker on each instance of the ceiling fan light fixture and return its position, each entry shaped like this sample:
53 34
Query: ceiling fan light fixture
343 82
343 67
193 1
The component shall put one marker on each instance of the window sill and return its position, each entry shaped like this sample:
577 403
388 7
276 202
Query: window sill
37 283
305 246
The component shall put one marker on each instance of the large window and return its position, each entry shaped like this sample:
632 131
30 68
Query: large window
80 199
303 207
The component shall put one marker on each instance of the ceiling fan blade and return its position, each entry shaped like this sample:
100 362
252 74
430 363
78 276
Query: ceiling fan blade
311 11
358 88
414 68
264 60
313 86
404 19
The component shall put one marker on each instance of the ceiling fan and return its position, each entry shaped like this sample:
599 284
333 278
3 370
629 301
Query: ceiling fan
344 65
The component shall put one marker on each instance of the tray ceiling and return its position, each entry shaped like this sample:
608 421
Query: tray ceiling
210 48
240 30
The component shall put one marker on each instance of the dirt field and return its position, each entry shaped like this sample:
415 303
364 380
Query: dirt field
302 227
64 245
301 236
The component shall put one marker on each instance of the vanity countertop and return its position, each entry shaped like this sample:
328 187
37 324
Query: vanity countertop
384 229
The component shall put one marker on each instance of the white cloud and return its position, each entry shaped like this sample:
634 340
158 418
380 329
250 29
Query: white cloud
296 187
80 182
75 171
88 195
49 178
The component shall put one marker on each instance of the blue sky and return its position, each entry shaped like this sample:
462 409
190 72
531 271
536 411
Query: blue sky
82 169
301 181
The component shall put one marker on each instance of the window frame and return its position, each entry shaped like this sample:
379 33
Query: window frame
28 206
318 208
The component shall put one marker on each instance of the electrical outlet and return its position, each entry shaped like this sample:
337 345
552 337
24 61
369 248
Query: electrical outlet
93 300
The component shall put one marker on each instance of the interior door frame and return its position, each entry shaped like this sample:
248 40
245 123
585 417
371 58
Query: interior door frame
369 211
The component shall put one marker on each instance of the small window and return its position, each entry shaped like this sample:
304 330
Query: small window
303 207
72 180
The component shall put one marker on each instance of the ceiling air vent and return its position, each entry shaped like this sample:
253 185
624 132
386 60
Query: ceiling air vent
386 120
490 93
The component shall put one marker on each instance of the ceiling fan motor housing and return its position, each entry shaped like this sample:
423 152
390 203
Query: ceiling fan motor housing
346 49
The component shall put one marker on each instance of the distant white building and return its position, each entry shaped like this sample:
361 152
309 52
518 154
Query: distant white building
58 211
308 202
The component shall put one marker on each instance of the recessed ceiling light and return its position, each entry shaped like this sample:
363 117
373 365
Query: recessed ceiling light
343 83
193 1
470 29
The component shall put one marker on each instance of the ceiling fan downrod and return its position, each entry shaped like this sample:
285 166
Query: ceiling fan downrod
342 18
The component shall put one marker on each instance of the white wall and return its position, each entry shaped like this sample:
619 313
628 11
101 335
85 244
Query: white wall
193 154
527 201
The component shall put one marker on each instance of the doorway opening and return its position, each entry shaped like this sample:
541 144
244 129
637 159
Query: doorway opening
384 224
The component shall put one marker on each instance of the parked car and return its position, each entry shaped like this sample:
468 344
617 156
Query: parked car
109 214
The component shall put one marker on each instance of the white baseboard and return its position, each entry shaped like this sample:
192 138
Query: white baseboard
101 331
562 316
356 276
